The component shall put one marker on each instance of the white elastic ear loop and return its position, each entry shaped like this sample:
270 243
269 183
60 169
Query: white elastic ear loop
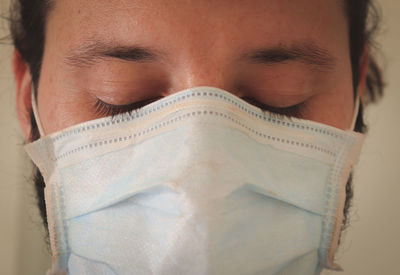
356 109
36 114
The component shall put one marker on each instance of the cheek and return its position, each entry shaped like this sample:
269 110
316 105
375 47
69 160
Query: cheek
58 110
333 108
333 104
60 107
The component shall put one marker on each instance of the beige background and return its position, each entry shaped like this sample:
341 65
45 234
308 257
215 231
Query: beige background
371 244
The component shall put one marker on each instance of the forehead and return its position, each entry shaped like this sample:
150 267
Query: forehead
174 23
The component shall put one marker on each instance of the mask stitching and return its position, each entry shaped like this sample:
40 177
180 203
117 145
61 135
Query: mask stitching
331 195
123 118
64 222
190 114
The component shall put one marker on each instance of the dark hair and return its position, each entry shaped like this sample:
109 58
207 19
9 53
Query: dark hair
28 23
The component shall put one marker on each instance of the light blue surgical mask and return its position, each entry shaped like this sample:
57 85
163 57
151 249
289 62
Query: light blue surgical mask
199 182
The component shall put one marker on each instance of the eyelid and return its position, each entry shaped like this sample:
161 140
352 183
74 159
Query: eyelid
106 109
288 112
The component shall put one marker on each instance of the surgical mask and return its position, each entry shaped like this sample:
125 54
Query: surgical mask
199 182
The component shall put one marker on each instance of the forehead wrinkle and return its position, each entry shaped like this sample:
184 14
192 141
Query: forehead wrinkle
111 7
132 5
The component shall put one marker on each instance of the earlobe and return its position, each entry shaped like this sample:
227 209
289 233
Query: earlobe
23 82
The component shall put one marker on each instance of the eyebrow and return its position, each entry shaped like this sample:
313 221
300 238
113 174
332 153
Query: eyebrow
304 52
96 51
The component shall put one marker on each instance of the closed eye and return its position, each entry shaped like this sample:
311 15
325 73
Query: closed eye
106 109
291 111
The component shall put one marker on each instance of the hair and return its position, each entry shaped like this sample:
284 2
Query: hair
28 24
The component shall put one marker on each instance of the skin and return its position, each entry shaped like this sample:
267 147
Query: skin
195 43
91 54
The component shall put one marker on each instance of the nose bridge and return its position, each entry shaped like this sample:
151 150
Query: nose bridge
201 69
203 64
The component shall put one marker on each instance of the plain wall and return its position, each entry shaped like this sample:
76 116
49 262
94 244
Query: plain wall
22 247
370 245
372 241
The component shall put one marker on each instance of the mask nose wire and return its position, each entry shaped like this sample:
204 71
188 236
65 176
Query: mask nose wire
356 109
36 113
41 132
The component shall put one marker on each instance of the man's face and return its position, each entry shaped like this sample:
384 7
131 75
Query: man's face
280 53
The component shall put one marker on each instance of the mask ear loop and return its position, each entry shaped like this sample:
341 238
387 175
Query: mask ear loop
356 109
36 113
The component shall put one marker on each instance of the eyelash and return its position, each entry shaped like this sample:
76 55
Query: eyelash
105 109
286 112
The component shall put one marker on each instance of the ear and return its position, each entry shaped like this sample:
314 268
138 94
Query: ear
363 71
23 81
